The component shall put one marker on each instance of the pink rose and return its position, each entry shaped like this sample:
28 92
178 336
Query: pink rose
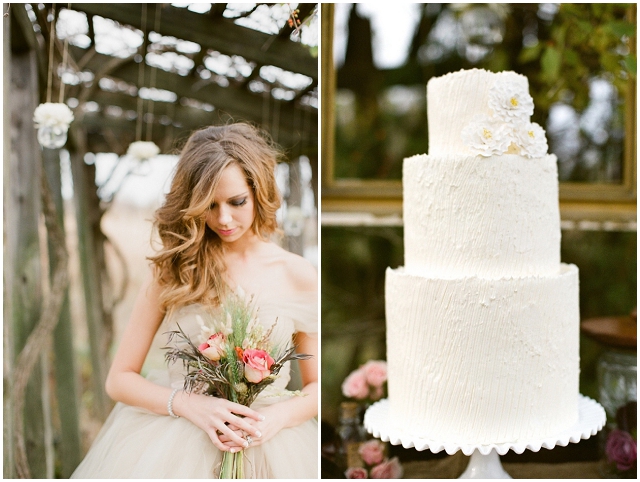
355 385
372 452
257 365
389 469
356 473
621 449
376 372
214 347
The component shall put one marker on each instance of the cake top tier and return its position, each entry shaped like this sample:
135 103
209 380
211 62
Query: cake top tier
482 113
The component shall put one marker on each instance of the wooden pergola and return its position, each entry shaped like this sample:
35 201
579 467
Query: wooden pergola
202 97
187 70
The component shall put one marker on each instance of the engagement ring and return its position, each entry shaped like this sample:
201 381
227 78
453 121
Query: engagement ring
249 439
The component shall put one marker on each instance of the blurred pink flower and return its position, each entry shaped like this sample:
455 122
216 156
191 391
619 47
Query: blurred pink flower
376 372
356 473
389 469
372 452
355 385
621 449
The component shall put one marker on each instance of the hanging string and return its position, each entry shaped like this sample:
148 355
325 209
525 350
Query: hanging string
65 54
141 72
276 120
152 83
51 40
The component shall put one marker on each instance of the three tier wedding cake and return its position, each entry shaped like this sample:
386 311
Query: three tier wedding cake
483 319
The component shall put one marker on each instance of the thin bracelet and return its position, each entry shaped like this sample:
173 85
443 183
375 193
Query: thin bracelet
170 403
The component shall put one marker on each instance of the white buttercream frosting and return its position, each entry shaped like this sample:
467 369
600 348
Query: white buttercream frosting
483 320
483 361
474 216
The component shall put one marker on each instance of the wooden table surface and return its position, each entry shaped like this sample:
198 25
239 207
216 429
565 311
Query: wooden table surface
452 467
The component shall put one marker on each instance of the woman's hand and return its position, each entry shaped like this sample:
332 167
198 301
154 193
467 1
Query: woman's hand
218 418
274 420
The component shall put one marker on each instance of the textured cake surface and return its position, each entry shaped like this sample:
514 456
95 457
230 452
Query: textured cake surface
483 361
483 319
488 217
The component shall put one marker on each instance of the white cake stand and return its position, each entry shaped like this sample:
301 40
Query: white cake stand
485 462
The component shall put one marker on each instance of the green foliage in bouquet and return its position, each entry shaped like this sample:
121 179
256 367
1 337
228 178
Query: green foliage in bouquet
237 361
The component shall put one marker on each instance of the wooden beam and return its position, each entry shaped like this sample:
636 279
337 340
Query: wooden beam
217 9
218 34
230 99
170 136
23 30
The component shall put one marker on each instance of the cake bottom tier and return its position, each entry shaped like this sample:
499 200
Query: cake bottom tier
483 361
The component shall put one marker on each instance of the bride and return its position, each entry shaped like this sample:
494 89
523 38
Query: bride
214 228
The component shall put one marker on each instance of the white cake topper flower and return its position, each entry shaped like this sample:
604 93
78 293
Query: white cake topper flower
510 102
53 114
142 150
531 140
487 135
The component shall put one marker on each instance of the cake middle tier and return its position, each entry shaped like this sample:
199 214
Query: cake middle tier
489 217
480 361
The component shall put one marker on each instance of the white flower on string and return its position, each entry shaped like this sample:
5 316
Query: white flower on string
53 114
52 120
510 102
142 150
487 136
531 140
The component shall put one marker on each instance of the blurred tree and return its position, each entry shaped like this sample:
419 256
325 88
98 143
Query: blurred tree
562 49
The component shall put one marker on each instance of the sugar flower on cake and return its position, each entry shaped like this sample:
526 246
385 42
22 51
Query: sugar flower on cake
531 140
142 150
487 136
510 101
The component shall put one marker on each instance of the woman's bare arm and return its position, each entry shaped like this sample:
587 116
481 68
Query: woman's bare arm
125 384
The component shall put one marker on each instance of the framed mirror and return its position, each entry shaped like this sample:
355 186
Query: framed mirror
376 61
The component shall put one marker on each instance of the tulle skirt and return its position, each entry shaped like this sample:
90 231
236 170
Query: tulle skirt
135 443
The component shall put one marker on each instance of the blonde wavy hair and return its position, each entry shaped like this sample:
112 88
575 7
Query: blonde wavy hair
189 267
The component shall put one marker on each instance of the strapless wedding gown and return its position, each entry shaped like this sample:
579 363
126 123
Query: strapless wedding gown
136 443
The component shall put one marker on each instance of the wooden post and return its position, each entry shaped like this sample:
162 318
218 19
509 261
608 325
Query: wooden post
8 353
295 242
22 268
88 222
70 453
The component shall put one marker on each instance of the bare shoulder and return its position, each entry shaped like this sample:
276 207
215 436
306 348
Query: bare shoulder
300 273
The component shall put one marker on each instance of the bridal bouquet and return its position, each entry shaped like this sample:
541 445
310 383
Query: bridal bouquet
235 359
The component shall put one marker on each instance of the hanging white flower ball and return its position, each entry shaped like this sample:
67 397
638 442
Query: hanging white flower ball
143 150
510 101
52 120
487 136
531 140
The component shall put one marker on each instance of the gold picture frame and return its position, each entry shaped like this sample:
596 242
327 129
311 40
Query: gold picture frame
375 199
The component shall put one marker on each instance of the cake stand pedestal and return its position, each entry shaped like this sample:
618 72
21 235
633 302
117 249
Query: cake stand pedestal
485 460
